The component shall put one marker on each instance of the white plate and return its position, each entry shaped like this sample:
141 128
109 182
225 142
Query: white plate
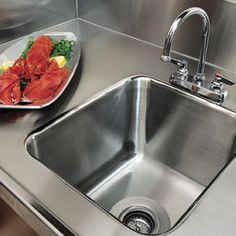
14 52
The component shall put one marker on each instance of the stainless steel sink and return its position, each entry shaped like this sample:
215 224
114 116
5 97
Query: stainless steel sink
141 145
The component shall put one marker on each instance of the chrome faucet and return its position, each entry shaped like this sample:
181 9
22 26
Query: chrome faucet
211 90
204 44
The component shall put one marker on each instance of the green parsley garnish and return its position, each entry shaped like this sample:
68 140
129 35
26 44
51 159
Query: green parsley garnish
62 48
23 84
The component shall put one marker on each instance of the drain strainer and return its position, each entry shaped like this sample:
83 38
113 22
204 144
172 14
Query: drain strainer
142 215
139 221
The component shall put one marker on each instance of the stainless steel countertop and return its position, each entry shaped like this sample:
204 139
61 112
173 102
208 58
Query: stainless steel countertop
107 57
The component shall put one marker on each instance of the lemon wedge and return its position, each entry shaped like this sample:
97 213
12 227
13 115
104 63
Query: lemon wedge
60 60
5 65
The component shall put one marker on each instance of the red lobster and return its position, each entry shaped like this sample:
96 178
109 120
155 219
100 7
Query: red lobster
45 79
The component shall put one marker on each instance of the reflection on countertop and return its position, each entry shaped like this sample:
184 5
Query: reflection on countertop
14 24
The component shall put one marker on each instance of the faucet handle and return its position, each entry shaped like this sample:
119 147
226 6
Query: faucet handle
219 77
181 64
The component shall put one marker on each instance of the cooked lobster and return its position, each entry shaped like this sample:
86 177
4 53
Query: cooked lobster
48 85
10 92
43 76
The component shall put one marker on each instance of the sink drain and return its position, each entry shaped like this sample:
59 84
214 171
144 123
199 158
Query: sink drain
139 221
142 215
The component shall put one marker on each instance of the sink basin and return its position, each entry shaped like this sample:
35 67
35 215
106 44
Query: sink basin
140 141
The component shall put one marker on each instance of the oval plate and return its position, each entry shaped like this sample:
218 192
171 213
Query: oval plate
14 52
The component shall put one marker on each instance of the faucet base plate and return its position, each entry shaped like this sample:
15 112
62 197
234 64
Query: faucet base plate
200 88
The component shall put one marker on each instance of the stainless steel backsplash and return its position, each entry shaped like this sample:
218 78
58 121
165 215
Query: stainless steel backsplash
15 22
150 20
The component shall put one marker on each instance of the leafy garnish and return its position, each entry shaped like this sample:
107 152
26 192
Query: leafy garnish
23 84
62 48
1 71
28 47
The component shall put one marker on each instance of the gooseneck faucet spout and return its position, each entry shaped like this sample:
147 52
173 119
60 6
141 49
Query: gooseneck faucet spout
204 42
197 84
